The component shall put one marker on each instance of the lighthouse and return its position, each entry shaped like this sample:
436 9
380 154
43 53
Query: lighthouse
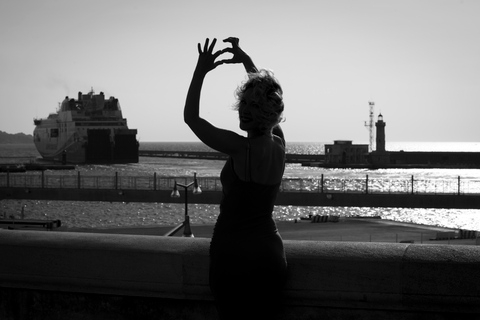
380 124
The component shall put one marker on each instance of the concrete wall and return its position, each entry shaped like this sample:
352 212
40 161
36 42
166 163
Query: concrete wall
466 159
57 275
405 200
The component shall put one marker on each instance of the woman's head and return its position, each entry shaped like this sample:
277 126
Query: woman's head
260 102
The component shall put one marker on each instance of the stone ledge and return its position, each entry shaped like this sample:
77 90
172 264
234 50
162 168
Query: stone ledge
367 278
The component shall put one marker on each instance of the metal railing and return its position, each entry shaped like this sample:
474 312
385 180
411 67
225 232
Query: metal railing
321 185
384 185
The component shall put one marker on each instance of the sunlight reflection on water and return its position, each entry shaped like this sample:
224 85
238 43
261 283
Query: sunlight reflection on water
105 214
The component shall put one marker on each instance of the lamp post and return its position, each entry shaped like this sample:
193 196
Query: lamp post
187 232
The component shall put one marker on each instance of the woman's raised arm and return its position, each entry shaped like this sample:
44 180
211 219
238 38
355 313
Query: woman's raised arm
219 139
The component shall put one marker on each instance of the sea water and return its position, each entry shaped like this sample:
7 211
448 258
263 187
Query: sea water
105 215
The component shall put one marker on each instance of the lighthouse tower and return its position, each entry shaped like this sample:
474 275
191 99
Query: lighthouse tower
380 124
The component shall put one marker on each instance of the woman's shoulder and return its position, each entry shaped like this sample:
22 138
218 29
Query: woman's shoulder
279 140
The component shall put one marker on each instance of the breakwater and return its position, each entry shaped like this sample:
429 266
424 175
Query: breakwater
435 159
391 159
204 155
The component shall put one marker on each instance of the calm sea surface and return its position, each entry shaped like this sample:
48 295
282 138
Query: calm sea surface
101 215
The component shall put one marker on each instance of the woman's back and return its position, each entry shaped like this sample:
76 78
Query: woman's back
261 161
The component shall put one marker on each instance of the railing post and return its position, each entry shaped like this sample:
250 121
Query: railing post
78 180
366 185
458 185
412 184
116 180
321 183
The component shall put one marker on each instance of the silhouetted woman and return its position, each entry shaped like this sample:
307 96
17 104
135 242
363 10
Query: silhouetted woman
247 259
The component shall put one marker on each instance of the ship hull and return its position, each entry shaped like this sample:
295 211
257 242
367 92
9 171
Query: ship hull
95 147
78 135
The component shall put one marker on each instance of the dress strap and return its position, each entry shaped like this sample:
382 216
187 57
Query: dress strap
248 173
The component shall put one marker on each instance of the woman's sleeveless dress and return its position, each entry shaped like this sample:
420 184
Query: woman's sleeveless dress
247 258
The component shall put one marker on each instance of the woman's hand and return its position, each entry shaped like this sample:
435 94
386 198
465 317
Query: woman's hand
239 56
206 57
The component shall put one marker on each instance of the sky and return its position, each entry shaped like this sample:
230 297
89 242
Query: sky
417 60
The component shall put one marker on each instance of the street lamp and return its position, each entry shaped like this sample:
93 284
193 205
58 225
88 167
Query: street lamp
187 232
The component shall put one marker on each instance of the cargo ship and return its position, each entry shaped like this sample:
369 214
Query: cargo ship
90 129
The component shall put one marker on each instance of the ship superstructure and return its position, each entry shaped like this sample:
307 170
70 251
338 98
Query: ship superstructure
90 129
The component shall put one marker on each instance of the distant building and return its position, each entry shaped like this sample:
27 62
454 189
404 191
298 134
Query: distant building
344 152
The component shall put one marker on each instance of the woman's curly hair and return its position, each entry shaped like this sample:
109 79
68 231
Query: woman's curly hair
267 95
